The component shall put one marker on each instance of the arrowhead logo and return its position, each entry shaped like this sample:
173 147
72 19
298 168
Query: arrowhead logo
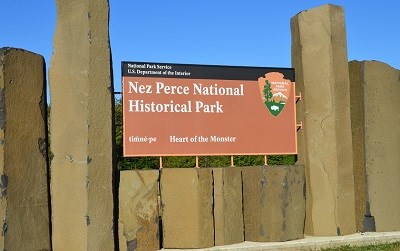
274 91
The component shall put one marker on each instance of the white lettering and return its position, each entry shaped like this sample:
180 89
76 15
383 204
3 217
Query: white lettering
171 89
207 108
136 88
226 139
214 89
141 106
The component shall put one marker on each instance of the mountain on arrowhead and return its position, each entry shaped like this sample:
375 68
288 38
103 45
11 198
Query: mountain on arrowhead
279 97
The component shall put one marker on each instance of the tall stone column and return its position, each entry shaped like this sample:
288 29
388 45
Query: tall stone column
375 105
81 128
24 207
319 55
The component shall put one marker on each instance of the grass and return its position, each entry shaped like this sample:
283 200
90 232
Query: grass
381 247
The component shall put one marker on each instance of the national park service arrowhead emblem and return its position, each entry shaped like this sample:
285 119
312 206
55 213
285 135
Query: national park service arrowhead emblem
274 91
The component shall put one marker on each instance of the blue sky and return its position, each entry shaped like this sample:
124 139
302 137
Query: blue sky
222 32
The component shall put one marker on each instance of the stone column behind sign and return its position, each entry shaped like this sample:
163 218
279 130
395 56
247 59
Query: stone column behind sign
24 209
319 55
375 97
81 128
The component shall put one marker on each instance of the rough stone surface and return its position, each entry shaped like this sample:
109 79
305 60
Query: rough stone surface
319 55
187 204
376 142
138 210
81 128
228 211
273 203
24 209
358 137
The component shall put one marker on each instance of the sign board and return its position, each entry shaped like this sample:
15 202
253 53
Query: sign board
193 110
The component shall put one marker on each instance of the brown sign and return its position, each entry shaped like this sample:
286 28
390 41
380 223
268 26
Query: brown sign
184 110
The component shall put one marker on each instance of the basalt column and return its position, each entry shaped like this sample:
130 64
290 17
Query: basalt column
138 210
187 207
319 55
24 207
375 97
273 203
228 208
81 127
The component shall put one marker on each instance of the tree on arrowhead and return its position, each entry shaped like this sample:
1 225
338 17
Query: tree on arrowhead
267 91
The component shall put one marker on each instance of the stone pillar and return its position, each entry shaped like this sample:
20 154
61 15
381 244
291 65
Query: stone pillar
273 203
138 210
187 204
228 209
319 55
375 106
81 128
24 209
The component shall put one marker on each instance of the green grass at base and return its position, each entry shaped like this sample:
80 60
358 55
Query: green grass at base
381 247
